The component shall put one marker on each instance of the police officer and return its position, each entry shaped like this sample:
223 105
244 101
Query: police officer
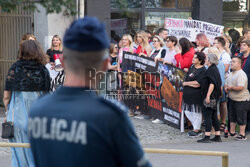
75 127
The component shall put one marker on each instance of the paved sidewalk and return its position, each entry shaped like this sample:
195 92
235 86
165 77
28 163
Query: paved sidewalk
239 153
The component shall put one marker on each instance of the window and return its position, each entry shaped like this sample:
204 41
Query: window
184 3
124 4
124 23
160 3
155 20
235 5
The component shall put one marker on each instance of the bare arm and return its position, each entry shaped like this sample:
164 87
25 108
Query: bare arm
112 67
226 67
193 84
234 88
210 90
6 98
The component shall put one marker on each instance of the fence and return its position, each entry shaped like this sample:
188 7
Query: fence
224 155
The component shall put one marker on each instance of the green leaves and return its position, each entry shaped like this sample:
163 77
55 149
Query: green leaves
68 7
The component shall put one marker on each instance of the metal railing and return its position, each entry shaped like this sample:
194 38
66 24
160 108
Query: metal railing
224 155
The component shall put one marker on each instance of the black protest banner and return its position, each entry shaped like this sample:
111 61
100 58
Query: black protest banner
156 88
137 72
171 93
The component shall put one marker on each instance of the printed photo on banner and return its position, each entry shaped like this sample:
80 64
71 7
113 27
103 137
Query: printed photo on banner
157 88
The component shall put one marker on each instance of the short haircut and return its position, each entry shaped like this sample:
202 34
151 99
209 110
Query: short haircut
77 62
160 30
246 42
201 57
173 39
239 58
212 58
221 40
32 50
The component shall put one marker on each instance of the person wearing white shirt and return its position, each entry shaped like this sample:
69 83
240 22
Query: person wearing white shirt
220 43
170 53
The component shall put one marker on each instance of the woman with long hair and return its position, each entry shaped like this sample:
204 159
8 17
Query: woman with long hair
55 48
185 54
27 79
127 46
141 40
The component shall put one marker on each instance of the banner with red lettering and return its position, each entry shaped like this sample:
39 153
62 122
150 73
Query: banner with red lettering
190 28
153 88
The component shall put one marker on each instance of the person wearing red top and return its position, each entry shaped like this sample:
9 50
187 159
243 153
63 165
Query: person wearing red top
141 39
185 54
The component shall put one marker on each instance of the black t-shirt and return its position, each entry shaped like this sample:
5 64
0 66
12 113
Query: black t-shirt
163 53
50 53
192 95
113 62
213 77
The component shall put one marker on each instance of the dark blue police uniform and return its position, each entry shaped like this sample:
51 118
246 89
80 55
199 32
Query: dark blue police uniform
75 127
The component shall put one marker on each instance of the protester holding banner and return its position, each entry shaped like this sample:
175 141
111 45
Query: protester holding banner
212 87
127 46
202 43
228 40
185 54
192 101
158 53
170 52
141 39
220 43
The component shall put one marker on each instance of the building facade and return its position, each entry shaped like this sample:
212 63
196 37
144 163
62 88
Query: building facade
129 16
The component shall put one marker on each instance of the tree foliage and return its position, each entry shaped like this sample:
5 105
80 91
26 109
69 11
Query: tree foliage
51 6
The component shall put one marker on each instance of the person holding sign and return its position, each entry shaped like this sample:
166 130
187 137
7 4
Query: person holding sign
158 53
185 54
170 52
141 39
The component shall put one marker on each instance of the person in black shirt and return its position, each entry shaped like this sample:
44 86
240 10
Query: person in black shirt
113 51
56 48
192 105
112 80
212 90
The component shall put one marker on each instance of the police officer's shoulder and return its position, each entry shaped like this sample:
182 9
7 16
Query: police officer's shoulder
114 105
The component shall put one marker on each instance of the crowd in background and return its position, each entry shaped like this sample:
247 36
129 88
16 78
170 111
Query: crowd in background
211 66
218 71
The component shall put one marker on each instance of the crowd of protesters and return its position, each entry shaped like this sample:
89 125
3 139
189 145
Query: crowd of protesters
210 67
218 71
